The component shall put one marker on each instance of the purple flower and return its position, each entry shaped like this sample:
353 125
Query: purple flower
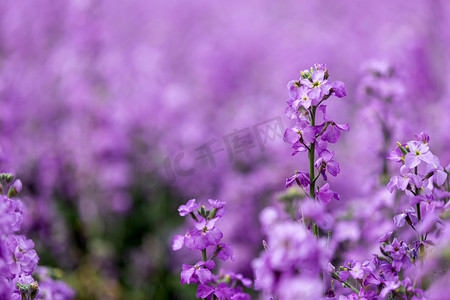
200 272
178 242
422 137
396 155
188 208
221 291
408 215
11 215
439 175
390 286
396 249
417 152
225 252
333 132
22 258
344 275
218 208
301 99
206 234
217 204
239 277
357 271
405 182
325 195
15 188
326 163
302 179
385 237
318 86
339 89
388 271
302 132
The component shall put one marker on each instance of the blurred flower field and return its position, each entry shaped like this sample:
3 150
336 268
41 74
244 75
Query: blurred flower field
115 114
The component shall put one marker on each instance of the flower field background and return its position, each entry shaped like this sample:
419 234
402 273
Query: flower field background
115 113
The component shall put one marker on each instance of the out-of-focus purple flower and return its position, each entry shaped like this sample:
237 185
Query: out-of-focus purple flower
300 287
190 206
53 289
325 195
422 137
221 291
339 89
225 252
385 237
388 271
397 250
390 286
408 215
178 242
344 275
11 215
396 155
356 271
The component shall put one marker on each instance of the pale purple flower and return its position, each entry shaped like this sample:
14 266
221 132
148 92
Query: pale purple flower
206 233
318 86
406 215
326 163
333 132
385 237
422 137
200 272
225 252
21 258
397 250
325 195
439 175
396 155
302 179
417 152
357 271
339 89
302 132
390 286
190 206
178 242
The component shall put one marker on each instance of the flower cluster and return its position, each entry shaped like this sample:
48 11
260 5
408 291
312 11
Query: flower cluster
305 103
206 237
293 259
394 273
18 259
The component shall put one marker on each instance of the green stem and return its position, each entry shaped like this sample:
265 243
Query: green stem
311 154
204 254
350 286
417 193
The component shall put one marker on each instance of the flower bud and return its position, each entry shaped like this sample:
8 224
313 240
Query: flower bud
402 148
15 188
